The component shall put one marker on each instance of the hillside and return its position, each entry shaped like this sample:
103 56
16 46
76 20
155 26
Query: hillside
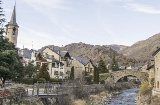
138 53
93 52
142 50
117 47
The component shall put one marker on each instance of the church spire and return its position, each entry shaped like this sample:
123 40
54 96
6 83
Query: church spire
13 18
12 28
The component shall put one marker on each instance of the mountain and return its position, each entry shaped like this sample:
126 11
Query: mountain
142 50
93 52
117 47
139 53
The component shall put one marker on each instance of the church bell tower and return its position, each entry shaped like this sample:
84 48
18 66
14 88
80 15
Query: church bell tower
12 28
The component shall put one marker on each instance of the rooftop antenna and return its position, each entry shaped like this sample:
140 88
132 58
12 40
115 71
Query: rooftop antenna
32 44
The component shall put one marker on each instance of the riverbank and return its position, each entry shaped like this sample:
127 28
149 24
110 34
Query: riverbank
80 94
103 98
145 97
106 95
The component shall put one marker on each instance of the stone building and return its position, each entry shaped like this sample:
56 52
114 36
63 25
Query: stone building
156 55
12 28
82 66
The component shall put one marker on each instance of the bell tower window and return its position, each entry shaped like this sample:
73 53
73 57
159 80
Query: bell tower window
14 31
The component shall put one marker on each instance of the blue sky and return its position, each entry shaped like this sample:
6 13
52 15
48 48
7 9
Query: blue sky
97 22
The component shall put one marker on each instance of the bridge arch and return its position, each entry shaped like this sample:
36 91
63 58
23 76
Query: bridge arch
115 76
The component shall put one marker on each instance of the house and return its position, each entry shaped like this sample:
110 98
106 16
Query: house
82 66
53 65
59 62
156 55
25 55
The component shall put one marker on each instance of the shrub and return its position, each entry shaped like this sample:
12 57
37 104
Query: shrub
53 80
81 92
41 80
144 88
88 79
102 82
27 81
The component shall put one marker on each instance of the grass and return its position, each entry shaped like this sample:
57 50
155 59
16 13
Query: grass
79 102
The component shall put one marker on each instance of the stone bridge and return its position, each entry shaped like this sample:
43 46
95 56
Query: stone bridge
117 75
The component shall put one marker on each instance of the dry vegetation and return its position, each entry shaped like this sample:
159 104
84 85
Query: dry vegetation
143 49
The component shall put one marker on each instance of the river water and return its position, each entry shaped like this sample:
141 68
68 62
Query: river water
125 97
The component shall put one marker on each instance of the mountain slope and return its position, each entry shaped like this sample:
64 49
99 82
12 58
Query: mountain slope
142 50
138 53
93 52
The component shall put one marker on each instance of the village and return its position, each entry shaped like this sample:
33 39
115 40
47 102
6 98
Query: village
51 73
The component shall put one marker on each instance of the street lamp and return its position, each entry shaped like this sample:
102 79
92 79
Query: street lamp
59 64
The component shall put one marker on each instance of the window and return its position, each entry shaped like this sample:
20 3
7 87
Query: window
61 73
14 31
55 72
53 65
157 84
90 69
86 69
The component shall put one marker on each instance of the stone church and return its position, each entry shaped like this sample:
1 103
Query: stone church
12 28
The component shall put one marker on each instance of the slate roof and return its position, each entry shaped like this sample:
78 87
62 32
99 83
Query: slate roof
13 18
82 60
150 66
154 53
26 53
62 53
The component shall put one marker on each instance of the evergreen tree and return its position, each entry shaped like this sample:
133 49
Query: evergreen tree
10 65
2 20
114 65
43 72
72 73
96 75
102 67
29 70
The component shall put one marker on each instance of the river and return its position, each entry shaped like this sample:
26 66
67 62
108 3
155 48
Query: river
125 97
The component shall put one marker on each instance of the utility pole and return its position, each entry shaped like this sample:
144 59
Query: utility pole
59 64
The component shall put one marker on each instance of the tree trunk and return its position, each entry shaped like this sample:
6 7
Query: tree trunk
3 80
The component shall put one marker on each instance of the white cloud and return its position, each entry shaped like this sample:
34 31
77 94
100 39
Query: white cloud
46 5
113 1
142 8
